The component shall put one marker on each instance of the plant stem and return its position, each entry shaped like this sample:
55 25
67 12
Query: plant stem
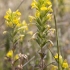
58 49
41 59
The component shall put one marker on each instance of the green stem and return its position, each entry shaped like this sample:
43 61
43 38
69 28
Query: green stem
58 49
41 59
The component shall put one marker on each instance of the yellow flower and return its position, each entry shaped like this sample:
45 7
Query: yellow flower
16 57
50 8
10 54
18 25
43 8
7 14
60 58
16 21
31 18
49 17
12 18
53 67
65 64
9 11
18 13
30 32
9 24
56 56
48 2
34 4
6 17
48 26
25 26
21 37
4 32
37 14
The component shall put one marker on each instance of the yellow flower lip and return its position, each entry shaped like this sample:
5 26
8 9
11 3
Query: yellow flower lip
43 8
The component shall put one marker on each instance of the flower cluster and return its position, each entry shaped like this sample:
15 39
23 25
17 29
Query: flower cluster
12 18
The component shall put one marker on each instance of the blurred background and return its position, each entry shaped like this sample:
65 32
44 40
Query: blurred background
62 11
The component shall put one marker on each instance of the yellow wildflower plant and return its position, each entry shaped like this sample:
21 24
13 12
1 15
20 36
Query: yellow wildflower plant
42 15
65 64
10 54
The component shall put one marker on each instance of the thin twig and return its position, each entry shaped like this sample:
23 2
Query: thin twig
29 61
19 5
